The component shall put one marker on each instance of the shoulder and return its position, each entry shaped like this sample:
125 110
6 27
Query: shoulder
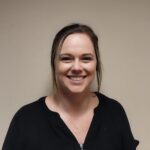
29 111
110 102
32 107
112 106
112 110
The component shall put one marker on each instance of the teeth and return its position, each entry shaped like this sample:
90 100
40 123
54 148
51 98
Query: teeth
76 78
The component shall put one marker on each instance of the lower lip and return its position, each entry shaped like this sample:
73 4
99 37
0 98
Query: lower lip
77 81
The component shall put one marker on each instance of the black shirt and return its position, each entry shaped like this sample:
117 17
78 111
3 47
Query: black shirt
35 127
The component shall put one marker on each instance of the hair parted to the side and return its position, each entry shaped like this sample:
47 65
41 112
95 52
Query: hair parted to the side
58 42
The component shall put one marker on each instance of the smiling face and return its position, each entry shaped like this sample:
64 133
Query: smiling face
75 64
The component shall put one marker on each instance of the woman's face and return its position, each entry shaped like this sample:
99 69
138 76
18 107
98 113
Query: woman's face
76 64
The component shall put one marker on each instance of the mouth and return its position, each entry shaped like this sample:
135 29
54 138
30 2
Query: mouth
76 78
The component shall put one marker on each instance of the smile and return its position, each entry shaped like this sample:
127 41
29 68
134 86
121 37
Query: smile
76 78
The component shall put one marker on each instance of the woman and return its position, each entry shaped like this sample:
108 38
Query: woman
74 117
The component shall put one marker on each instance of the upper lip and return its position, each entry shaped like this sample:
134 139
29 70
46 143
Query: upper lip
76 76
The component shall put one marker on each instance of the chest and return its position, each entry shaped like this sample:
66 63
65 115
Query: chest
79 126
58 136
99 131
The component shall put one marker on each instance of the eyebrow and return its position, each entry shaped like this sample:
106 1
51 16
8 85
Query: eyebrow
63 54
68 54
88 54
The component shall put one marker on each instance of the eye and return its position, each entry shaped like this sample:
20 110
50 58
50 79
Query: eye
87 58
66 59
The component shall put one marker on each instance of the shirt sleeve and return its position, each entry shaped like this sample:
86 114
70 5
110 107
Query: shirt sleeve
129 143
15 136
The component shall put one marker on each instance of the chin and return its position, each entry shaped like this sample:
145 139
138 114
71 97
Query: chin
77 89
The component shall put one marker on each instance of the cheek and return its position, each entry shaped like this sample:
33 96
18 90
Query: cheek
62 68
91 68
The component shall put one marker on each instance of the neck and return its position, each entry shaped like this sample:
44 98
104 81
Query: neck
74 103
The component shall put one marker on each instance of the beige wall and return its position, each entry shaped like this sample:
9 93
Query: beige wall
27 28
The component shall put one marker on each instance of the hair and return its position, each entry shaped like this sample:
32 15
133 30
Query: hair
59 40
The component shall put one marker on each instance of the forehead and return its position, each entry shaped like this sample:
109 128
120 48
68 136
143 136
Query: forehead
77 42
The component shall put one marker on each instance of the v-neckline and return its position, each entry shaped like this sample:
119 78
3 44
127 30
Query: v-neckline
68 130
57 120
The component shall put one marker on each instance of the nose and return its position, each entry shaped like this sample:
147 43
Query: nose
76 67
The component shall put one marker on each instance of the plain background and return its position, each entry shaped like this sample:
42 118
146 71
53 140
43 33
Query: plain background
27 28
